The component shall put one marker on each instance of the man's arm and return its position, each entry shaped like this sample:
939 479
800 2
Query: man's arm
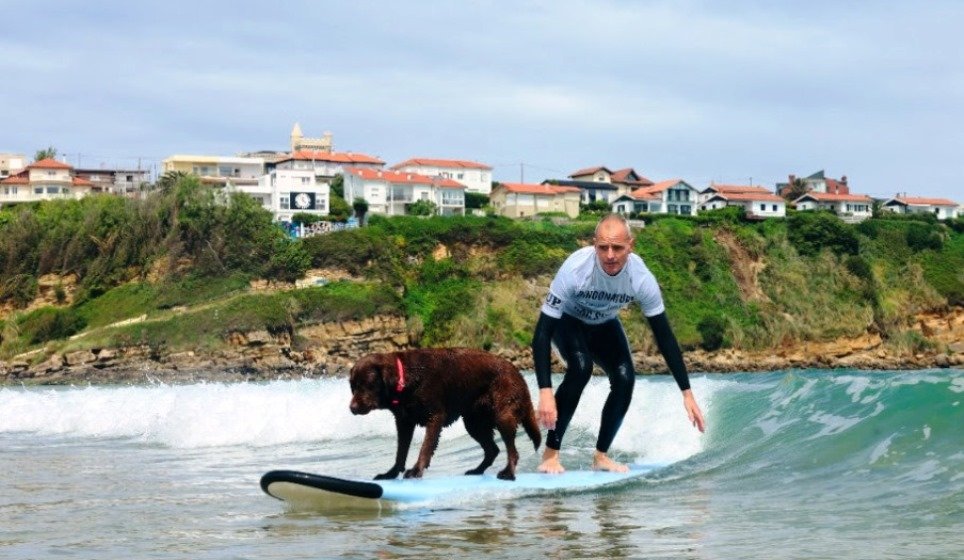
541 357
669 348
542 350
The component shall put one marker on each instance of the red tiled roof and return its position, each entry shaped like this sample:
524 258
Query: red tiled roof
430 162
334 157
655 189
622 176
402 177
737 188
749 197
831 197
16 179
589 171
535 188
921 201
81 182
49 163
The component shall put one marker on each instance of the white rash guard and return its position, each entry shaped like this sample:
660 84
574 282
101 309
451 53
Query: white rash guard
583 290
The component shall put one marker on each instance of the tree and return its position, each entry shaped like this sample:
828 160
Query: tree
338 209
475 200
169 180
422 208
48 153
795 190
360 205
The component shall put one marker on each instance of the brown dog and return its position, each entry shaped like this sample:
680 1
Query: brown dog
432 388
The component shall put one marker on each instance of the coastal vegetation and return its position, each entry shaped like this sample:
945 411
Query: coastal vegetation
174 272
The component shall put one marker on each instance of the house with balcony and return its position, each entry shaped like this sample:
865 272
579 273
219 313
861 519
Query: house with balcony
124 182
851 208
389 193
217 171
943 208
674 196
47 179
521 200
477 177
328 165
625 180
286 192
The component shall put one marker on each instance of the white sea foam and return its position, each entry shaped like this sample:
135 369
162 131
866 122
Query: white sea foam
656 428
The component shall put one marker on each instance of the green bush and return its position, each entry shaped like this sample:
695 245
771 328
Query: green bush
811 232
712 329
923 236
20 289
50 323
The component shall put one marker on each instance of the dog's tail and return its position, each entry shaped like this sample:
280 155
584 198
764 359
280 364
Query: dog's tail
531 425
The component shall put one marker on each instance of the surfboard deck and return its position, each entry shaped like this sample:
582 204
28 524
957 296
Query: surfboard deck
302 490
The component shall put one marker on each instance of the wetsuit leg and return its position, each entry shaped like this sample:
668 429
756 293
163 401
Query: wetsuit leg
570 339
610 349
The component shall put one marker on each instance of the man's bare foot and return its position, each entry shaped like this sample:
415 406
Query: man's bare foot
602 462
550 462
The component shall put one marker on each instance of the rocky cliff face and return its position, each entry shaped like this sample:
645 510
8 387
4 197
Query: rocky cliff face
331 349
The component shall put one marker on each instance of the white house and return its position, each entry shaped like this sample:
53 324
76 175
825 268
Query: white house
674 196
850 207
624 180
943 208
328 165
518 200
756 205
47 179
286 192
477 177
715 189
391 192
217 170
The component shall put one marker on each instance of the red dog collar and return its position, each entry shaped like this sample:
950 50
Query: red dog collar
400 386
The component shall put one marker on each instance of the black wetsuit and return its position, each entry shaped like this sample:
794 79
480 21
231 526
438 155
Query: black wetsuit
580 317
581 345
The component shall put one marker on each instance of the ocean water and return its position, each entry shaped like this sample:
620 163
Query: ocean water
794 464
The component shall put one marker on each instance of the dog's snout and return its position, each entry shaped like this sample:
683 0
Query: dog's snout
356 408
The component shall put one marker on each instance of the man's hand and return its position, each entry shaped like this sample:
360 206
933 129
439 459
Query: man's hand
547 409
692 409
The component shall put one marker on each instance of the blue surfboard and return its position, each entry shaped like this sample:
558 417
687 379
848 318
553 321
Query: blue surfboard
301 490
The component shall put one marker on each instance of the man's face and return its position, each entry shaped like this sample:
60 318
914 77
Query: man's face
613 247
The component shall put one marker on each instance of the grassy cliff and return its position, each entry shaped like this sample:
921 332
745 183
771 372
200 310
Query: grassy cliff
173 272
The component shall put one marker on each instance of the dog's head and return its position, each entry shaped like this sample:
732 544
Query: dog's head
372 379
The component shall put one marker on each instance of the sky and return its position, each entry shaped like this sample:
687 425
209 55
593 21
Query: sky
733 92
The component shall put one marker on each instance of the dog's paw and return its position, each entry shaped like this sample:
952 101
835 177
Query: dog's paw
390 475
475 472
506 474
414 472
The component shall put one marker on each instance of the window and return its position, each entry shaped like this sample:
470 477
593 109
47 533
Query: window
774 207
763 208
285 200
38 190
130 178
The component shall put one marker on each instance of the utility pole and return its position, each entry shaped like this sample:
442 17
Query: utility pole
522 173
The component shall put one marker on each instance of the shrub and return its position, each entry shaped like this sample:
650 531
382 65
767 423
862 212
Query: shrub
20 289
50 323
811 232
922 236
712 328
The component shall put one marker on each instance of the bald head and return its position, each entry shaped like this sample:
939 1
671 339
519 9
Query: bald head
613 243
612 224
